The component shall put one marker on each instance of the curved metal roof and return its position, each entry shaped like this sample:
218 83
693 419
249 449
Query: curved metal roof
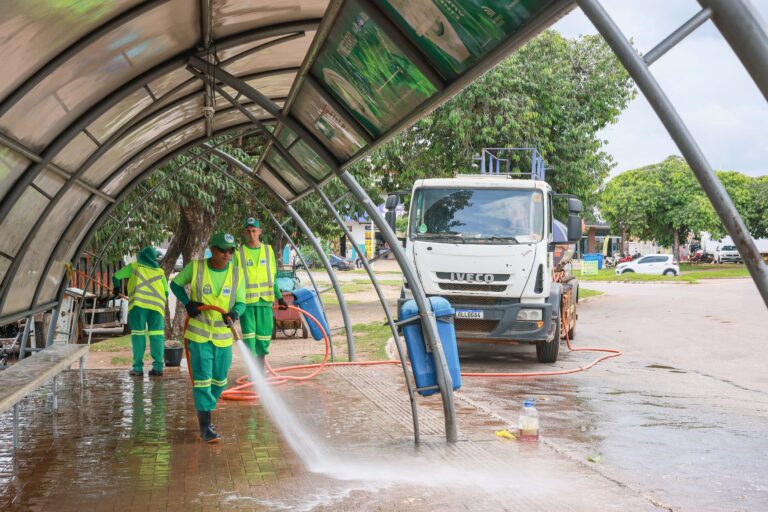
94 95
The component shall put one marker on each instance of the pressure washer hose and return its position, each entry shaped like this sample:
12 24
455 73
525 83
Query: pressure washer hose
243 391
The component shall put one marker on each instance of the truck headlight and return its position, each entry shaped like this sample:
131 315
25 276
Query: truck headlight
529 314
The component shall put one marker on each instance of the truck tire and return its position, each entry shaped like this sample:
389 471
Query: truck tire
548 352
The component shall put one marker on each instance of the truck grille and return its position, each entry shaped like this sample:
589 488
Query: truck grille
472 300
496 277
473 287
474 327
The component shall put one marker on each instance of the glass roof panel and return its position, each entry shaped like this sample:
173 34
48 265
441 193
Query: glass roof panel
75 153
231 16
326 124
276 86
166 83
140 137
285 55
109 122
52 26
21 219
269 178
69 242
368 73
49 181
12 165
281 166
43 244
4 264
228 53
311 162
232 117
101 68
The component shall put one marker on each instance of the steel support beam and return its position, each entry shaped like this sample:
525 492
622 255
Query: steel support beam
393 328
428 321
25 336
747 33
677 129
52 327
678 35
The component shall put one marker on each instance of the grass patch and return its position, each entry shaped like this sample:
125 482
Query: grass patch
332 300
586 293
391 282
318 358
112 344
688 274
371 340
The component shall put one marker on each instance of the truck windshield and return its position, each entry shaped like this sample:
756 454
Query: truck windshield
478 216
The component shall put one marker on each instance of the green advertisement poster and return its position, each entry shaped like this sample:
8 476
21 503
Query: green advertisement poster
326 124
454 34
281 167
310 160
589 268
368 73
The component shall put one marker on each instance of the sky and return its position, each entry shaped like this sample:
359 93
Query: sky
711 90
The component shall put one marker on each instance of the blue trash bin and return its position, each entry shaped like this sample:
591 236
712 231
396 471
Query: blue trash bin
422 362
594 256
308 301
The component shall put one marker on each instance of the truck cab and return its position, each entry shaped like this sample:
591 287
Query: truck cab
486 243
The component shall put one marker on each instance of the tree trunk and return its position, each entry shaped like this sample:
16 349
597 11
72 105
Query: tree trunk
676 247
191 238
623 249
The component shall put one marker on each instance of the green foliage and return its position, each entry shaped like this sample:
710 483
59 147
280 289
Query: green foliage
658 201
554 94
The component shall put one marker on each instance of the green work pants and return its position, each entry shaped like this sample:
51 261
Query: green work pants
257 324
210 365
145 322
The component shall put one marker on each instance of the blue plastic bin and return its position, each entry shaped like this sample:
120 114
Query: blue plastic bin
594 256
422 362
307 300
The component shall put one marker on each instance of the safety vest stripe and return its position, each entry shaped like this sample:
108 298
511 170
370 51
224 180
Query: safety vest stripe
199 281
259 285
242 262
197 330
145 285
202 383
149 294
249 336
208 334
263 338
138 332
220 383
156 333
235 282
143 300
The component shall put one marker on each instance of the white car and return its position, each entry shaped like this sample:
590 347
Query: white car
661 264
727 253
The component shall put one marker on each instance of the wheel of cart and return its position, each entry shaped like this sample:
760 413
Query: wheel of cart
288 321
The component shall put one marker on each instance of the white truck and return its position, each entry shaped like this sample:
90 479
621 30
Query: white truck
487 244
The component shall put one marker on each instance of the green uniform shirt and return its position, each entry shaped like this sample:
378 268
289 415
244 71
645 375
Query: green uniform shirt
184 277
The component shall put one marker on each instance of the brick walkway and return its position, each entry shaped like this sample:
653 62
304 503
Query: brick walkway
122 444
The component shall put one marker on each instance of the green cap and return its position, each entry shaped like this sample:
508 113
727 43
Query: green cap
222 241
250 221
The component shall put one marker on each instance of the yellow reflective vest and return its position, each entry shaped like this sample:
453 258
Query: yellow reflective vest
146 288
208 325
259 273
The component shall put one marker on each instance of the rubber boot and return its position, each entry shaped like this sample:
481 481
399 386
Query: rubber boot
261 366
206 433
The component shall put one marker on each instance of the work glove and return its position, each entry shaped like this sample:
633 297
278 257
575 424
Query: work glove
230 318
282 304
192 308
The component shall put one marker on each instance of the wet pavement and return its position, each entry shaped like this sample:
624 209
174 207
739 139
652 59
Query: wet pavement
124 444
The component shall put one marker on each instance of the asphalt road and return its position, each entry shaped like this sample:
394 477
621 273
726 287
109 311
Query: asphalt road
681 416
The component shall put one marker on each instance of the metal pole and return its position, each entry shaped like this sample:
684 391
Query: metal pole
701 168
25 336
331 274
15 427
52 327
678 35
428 322
56 393
82 370
390 321
746 32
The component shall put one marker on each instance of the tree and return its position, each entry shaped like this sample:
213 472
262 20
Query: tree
665 202
554 94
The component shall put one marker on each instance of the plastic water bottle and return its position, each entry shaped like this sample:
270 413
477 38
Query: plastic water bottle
528 422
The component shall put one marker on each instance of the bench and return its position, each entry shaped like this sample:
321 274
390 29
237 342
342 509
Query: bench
32 372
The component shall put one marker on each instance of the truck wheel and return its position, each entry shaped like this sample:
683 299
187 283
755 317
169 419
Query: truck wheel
572 331
547 352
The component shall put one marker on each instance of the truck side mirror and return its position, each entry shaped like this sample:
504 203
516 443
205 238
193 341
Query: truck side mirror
575 206
391 215
574 226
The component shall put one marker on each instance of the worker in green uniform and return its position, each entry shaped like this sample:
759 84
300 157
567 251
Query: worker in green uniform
261 290
216 282
147 296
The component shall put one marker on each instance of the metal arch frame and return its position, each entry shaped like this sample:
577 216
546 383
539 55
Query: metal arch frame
21 184
282 229
138 82
638 69
137 157
299 221
266 104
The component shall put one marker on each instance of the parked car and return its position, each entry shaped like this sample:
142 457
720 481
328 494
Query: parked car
339 263
661 264
727 253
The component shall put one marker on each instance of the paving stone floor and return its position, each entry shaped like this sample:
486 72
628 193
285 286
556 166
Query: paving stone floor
123 444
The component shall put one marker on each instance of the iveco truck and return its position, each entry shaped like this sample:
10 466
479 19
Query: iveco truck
489 244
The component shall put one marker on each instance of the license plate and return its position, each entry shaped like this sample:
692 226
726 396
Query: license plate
474 314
